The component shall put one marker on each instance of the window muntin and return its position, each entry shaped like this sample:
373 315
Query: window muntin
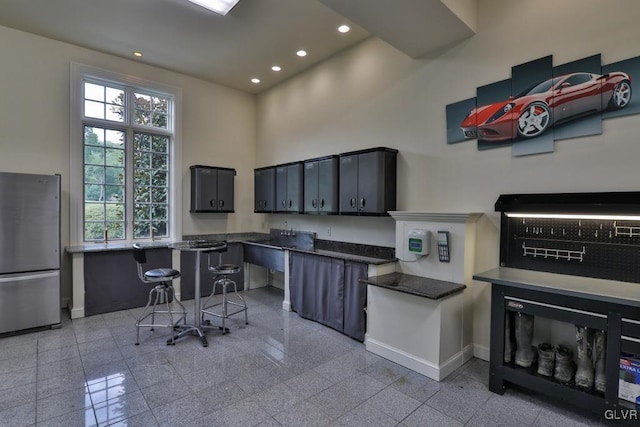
126 170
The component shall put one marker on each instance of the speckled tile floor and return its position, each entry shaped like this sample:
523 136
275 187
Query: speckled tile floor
278 370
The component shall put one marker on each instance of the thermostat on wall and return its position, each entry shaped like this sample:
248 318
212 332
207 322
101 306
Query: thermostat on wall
418 242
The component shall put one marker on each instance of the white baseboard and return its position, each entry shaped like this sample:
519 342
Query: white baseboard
417 364
481 352
286 305
77 313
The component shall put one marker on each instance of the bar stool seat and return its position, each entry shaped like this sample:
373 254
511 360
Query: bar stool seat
160 296
222 273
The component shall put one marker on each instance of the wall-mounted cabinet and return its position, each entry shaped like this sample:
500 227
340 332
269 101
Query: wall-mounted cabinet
355 183
212 189
368 182
289 188
321 185
265 186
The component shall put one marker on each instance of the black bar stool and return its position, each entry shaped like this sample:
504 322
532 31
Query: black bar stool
161 294
222 273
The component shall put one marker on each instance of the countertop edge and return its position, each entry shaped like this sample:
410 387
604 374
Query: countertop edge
604 290
393 282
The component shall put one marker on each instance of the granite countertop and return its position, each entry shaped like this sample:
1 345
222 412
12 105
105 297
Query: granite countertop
565 284
367 254
415 285
117 246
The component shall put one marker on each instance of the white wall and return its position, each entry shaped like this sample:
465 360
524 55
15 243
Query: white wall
218 124
373 95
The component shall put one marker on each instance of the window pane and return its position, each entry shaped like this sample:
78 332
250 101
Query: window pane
94 211
114 193
115 211
93 136
143 193
143 211
143 102
142 142
160 105
160 211
142 177
161 229
94 92
115 96
94 175
93 231
116 230
142 230
159 120
115 113
94 109
114 157
159 195
141 160
115 138
93 193
159 178
159 161
114 176
160 144
94 156
143 118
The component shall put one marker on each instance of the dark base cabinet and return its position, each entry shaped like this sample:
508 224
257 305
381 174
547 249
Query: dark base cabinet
328 291
112 283
619 321
233 255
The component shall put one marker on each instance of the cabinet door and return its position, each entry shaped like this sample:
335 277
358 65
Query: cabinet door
355 299
328 185
370 179
225 190
349 184
294 188
281 189
203 189
311 176
264 184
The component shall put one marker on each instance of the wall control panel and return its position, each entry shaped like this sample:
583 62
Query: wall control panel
443 246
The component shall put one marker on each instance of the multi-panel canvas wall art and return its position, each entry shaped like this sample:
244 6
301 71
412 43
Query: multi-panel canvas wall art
542 103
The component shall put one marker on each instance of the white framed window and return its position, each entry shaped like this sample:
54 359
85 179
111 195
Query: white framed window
125 158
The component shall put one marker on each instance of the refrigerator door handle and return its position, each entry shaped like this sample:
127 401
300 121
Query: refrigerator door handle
22 276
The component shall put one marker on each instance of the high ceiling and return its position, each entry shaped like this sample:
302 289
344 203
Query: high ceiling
257 34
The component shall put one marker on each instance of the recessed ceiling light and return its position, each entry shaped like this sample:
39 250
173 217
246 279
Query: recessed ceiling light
255 80
344 28
221 7
276 68
301 52
138 54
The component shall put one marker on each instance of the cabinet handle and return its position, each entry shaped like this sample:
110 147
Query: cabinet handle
212 203
314 203
352 202
362 202
284 203
290 203
321 203
220 203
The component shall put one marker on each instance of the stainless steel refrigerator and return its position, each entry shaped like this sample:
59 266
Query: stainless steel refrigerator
29 251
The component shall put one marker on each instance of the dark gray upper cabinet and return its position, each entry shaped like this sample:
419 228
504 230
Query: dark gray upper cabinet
264 189
368 181
212 189
321 185
289 187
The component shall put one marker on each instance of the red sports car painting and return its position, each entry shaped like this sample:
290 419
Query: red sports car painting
553 101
